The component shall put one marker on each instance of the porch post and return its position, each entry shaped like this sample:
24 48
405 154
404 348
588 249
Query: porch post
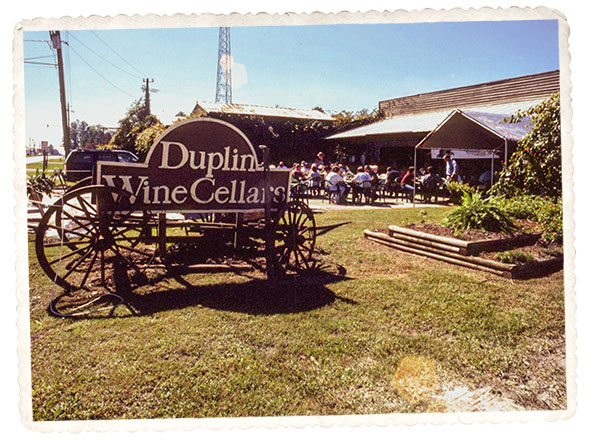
414 176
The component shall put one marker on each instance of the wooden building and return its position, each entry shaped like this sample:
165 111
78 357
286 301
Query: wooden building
410 119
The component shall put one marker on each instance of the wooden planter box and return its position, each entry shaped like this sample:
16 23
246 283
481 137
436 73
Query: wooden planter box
460 246
442 249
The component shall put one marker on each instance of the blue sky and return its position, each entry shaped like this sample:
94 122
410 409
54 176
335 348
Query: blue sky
332 66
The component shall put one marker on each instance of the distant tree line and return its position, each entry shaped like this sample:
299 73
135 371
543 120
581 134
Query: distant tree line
85 136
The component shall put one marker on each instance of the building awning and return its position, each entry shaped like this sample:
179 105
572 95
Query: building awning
475 130
392 127
405 125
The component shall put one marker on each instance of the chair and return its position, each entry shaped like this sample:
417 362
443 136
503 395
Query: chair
407 193
393 189
362 190
380 189
431 189
333 192
315 184
300 191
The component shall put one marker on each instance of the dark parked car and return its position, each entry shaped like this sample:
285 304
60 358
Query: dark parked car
81 162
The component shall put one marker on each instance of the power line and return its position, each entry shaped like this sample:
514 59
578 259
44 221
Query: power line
47 42
100 74
104 59
41 63
115 52
39 57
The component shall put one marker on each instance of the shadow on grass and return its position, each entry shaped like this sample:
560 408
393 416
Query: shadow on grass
257 296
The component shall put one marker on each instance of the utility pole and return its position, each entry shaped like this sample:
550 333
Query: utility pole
147 90
57 45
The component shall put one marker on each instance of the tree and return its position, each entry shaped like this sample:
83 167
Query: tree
346 120
84 136
131 126
146 138
535 166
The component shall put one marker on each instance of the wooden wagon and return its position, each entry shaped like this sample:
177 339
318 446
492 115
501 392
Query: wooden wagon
203 170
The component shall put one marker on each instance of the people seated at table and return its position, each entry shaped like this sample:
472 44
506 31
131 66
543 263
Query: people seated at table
407 182
392 174
335 181
371 170
485 179
304 168
431 181
296 172
314 178
392 180
359 182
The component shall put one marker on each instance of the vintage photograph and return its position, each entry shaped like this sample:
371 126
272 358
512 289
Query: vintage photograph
296 217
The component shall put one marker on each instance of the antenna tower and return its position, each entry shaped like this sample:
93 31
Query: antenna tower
224 67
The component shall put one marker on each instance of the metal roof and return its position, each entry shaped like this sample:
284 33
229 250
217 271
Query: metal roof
496 122
266 111
426 122
522 88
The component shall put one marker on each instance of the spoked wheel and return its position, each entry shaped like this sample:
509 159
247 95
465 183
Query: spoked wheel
81 243
295 236
81 183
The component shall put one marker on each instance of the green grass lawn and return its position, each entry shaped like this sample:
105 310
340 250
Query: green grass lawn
52 165
226 345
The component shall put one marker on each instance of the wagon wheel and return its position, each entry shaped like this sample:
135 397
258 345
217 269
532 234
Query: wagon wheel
295 236
80 243
81 183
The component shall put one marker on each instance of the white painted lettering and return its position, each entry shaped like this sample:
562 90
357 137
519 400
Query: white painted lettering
212 165
194 192
179 189
166 153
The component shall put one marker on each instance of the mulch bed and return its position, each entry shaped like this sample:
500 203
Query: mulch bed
537 251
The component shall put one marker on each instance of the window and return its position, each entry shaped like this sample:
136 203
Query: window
81 157
108 156
125 157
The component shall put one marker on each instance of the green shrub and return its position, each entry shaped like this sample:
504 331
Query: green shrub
550 218
546 211
475 212
523 206
535 167
456 190
514 256
38 185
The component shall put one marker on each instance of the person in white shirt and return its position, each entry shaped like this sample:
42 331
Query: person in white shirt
335 181
451 168
304 168
358 182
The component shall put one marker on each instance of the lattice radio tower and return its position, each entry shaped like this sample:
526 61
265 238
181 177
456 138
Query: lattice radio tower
224 67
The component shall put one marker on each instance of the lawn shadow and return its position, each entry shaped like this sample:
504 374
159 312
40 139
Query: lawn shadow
257 296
